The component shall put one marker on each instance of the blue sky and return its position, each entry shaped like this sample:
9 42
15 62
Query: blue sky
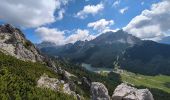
63 19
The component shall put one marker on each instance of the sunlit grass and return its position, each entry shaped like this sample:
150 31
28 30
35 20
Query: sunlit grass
161 82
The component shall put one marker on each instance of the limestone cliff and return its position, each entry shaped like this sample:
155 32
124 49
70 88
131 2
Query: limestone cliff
13 42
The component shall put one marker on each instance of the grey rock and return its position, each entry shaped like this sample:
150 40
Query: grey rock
14 43
67 90
144 94
50 63
125 92
99 91
55 84
51 83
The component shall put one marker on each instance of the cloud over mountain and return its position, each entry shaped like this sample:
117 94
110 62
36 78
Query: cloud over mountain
56 36
152 23
101 24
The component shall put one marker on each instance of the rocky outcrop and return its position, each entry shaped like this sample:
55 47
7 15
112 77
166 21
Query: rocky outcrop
56 85
122 92
99 91
67 89
13 42
52 83
125 92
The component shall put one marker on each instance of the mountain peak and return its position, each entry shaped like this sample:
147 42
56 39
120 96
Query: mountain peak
117 37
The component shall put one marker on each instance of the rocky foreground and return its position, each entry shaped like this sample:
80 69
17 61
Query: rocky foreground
98 90
122 92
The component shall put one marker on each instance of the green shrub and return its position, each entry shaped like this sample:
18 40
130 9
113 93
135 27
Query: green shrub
18 81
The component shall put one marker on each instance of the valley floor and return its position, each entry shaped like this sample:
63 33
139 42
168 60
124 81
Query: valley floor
160 82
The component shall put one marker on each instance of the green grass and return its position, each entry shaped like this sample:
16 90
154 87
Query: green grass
159 85
160 82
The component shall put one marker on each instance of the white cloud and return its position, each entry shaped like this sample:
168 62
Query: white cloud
56 36
79 35
152 23
123 10
90 9
30 13
116 3
60 14
110 30
101 24
51 35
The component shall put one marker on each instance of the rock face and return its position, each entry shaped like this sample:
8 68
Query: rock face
51 83
125 92
13 42
99 91
55 84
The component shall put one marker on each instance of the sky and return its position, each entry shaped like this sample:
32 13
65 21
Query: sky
68 21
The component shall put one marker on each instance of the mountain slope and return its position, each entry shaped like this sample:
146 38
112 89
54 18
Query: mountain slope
117 49
22 68
100 52
147 58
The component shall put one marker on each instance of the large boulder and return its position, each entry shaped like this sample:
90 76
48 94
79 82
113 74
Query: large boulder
125 92
99 91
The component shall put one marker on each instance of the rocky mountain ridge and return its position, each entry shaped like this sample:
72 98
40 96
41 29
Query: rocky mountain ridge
94 52
13 42
117 49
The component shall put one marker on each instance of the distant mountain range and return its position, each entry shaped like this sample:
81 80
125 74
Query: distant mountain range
116 49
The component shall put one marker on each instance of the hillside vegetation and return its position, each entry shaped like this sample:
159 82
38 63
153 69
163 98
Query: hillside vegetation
18 80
